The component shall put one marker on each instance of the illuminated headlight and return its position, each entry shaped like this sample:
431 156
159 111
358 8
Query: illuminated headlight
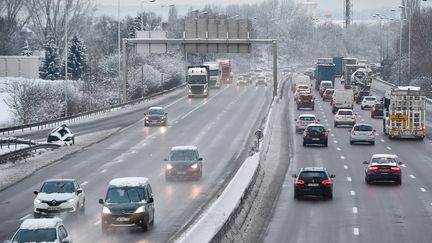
190 91
168 167
146 118
140 210
38 201
106 210
194 166
205 90
71 200
227 79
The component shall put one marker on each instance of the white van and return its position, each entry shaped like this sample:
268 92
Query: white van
342 99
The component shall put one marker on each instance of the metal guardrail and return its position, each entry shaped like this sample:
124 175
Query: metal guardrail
84 114
20 153
428 100
10 141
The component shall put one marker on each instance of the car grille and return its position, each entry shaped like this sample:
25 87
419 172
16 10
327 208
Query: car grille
181 167
54 203
197 89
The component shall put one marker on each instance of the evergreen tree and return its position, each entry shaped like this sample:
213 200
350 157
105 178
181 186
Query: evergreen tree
77 58
26 50
50 68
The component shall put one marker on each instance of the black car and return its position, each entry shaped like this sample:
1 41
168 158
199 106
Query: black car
155 116
315 134
128 202
314 181
361 94
183 161
377 110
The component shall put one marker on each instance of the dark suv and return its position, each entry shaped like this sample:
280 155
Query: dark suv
377 110
305 101
313 181
183 161
128 202
361 94
315 134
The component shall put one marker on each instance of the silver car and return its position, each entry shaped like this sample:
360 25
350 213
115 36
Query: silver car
362 132
304 120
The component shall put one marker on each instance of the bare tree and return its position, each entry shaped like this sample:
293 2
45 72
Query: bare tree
12 20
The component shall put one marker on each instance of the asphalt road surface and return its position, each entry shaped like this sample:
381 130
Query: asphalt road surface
219 126
383 212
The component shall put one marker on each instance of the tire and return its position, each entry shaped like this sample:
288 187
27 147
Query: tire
326 144
352 142
335 124
313 107
304 144
367 180
298 108
36 216
199 176
362 107
372 116
152 222
297 195
330 196
399 181
82 208
145 124
145 226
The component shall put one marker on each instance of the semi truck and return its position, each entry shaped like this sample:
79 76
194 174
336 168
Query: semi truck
361 78
198 78
215 80
348 60
324 72
337 61
404 113
225 70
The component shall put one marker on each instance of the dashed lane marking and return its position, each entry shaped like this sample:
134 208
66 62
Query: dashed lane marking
403 165
355 210
342 157
84 183
412 176
382 140
349 178
356 231
25 217
334 141
103 171
97 222
346 167
339 149
422 189
388 148
332 135
353 193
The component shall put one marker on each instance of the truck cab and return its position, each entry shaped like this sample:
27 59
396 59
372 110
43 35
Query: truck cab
198 81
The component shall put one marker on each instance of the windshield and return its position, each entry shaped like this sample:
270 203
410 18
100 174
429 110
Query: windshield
313 174
326 85
363 128
198 79
316 129
125 195
307 118
183 155
155 112
370 98
383 160
345 113
303 87
58 187
329 91
36 235
225 70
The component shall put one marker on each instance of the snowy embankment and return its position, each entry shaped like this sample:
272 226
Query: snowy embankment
5 114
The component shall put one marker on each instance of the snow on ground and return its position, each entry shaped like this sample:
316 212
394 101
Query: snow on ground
6 117
4 148
11 173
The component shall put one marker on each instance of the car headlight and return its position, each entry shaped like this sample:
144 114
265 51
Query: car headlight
190 91
194 166
71 200
106 210
146 118
168 167
140 210
38 201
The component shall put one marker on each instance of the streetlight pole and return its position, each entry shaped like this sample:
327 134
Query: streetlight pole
66 60
409 42
119 53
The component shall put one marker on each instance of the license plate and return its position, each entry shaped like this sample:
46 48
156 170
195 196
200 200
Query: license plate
53 208
313 184
384 170
122 219
181 173
315 139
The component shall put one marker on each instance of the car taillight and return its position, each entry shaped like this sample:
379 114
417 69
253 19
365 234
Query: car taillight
353 117
299 100
337 117
373 168
373 108
327 182
395 168
306 133
353 133
325 133
299 182
372 133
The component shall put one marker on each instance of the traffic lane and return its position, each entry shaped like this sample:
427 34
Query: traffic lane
329 220
176 201
107 121
401 211
99 159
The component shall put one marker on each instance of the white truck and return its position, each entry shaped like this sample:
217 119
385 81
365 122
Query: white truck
198 81
342 99
404 113
215 80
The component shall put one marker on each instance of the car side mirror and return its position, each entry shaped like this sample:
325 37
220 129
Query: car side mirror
200 159
79 191
332 176
151 200
365 162
101 201
318 120
166 113
165 159
294 175
35 192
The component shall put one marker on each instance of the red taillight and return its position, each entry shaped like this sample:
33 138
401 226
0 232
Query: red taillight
299 100
353 117
373 168
306 133
299 182
337 117
373 108
327 182
325 133
353 133
395 168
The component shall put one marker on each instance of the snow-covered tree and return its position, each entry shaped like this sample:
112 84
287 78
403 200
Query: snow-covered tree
26 50
77 58
50 68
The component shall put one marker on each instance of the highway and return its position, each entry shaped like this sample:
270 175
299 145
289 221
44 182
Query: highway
380 212
220 126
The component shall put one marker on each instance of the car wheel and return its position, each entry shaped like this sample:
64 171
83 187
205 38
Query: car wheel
367 181
304 144
351 142
36 216
199 176
296 195
326 144
313 107
152 222
330 196
298 108
82 208
399 181
372 143
362 107
145 226
335 124
372 116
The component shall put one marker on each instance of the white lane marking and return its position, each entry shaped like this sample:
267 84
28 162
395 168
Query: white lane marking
339 149
103 171
162 173
355 210
356 231
97 222
174 102
84 183
403 165
382 140
133 151
201 105
25 217
349 178
342 157
362 120
388 148
352 193
377 134
332 135
325 120
334 141
327 124
346 167
422 189
412 176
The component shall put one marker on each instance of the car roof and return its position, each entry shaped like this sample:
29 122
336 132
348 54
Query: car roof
385 155
313 169
362 124
370 96
156 108
327 81
187 147
129 182
46 223
345 110
307 115
60 180
315 125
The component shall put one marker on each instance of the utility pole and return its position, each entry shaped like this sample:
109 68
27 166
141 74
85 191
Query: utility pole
348 12
66 60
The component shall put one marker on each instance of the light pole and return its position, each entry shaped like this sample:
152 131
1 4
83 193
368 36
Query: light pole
409 41
66 60
119 52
